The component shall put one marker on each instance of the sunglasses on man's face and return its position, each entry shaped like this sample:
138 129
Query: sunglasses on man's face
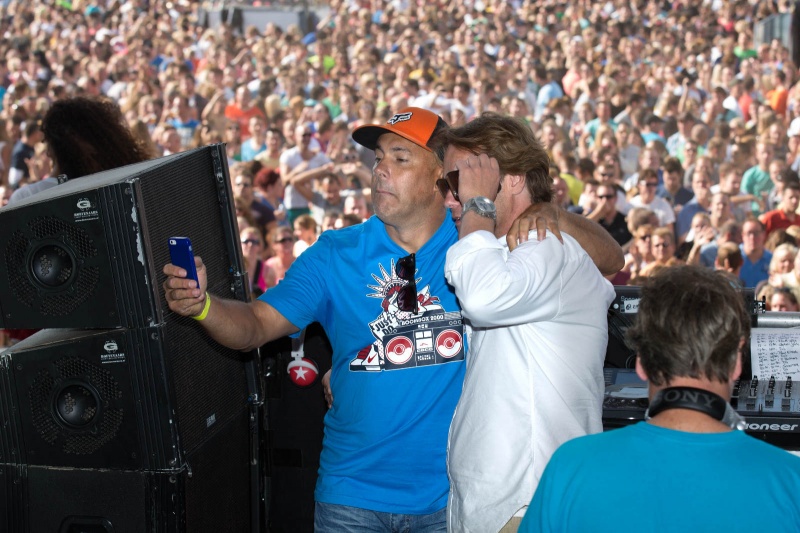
406 268
450 183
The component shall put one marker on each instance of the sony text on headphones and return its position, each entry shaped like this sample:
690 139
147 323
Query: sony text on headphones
698 400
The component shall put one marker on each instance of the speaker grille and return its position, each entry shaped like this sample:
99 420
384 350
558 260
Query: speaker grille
15 263
49 226
52 303
41 396
197 363
217 493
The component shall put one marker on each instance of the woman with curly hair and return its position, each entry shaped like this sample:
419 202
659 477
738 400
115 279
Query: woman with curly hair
88 135
85 135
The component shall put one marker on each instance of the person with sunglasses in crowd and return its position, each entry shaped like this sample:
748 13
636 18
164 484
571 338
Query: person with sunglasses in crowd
282 242
298 166
648 186
538 318
260 276
607 215
379 290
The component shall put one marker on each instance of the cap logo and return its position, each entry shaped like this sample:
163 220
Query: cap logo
400 117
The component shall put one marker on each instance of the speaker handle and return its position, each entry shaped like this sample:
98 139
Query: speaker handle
86 524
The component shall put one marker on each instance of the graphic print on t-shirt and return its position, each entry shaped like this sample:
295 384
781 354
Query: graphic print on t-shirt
404 340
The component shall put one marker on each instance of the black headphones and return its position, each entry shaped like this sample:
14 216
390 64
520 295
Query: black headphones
698 400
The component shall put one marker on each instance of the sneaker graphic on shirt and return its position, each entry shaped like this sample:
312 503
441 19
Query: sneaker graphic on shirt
367 359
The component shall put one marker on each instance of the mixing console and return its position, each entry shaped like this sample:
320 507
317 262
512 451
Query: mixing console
771 407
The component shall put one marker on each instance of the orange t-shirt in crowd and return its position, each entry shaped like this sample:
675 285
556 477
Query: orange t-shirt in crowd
777 219
744 104
234 112
777 99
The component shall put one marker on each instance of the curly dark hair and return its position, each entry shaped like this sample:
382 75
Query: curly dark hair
87 135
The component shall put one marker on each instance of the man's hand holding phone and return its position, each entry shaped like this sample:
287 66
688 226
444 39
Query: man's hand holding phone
186 283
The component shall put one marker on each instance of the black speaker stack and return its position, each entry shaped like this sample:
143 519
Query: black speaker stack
121 416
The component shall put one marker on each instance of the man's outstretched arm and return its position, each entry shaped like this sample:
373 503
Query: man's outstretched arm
605 252
237 325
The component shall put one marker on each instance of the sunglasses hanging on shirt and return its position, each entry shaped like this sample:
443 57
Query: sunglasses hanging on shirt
406 269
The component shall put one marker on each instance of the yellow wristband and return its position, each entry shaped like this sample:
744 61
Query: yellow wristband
204 314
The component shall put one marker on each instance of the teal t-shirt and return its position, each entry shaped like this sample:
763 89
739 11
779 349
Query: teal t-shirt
646 478
756 182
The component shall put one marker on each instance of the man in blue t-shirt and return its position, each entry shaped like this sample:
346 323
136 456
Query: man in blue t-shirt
183 120
399 345
755 268
379 291
681 468
24 150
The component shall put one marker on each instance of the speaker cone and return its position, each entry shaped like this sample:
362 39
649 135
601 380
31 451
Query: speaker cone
52 266
77 405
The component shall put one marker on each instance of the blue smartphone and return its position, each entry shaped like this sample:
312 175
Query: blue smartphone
181 254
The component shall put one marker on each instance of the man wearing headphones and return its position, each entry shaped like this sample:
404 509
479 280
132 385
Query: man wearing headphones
683 467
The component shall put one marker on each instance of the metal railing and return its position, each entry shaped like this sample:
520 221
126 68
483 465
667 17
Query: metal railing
773 27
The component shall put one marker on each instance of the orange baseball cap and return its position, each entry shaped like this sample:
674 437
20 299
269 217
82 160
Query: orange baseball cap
413 123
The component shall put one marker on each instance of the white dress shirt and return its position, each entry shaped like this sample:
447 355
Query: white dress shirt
534 369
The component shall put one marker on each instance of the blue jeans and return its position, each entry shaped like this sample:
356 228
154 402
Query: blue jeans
332 518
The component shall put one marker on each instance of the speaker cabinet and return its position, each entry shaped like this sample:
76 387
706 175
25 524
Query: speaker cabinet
119 399
143 423
211 495
89 252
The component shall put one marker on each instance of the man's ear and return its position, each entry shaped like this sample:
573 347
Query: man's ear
640 370
737 370
514 182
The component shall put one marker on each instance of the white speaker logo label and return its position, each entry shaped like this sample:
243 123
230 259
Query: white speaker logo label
111 355
86 211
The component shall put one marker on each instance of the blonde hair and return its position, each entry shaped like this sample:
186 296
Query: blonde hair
305 222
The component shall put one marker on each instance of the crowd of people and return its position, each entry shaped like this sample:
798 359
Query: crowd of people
665 122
